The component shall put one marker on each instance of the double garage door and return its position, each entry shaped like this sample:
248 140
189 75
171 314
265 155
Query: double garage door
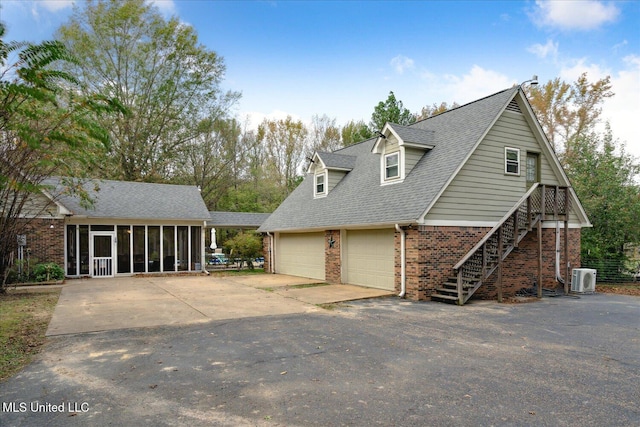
368 257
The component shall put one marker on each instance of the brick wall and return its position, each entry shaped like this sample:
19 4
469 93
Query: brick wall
46 244
431 253
332 260
520 269
266 250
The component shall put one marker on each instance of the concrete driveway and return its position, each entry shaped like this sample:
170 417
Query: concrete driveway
93 305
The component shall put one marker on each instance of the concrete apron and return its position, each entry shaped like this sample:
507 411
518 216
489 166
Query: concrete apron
93 305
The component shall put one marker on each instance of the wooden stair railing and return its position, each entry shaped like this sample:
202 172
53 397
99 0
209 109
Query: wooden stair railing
484 258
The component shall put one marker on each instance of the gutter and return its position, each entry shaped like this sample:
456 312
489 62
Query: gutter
403 261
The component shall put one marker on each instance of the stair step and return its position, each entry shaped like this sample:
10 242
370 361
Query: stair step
444 298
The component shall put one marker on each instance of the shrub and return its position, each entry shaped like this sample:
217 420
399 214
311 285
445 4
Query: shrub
48 271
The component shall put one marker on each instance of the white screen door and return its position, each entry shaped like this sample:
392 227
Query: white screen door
102 254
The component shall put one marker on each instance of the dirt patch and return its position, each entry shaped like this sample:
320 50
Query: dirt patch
620 289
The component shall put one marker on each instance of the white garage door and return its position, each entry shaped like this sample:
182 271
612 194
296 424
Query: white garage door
370 258
301 254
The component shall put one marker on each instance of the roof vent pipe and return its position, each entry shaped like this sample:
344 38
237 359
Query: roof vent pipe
403 276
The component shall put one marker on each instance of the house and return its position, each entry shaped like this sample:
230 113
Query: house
132 227
471 201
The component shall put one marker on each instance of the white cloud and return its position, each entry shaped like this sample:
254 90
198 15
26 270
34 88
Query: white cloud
167 7
544 51
574 15
476 84
401 63
623 109
56 5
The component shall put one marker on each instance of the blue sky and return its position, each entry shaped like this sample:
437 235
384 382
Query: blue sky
340 58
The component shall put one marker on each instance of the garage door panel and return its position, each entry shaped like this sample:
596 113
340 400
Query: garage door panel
370 258
301 254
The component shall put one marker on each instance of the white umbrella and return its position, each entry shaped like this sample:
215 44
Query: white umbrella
213 239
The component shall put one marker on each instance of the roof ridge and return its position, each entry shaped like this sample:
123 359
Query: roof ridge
466 105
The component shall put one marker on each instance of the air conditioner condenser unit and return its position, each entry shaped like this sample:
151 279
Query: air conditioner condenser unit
583 280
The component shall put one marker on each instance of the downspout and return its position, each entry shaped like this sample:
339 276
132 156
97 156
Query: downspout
558 275
271 250
403 276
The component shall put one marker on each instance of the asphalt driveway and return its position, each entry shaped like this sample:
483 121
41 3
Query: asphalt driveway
389 362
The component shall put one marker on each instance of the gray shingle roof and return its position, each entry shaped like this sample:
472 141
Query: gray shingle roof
337 161
359 199
237 219
135 200
414 135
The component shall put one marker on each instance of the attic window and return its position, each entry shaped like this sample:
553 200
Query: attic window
320 185
511 161
392 166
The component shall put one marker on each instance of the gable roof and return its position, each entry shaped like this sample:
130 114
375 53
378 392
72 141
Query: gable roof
359 200
407 135
133 200
337 161
449 139
237 219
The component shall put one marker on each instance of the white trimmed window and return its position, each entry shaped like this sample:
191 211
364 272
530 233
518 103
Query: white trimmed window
511 161
321 185
392 166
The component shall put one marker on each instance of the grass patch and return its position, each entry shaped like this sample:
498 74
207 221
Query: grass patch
24 317
267 289
307 285
232 272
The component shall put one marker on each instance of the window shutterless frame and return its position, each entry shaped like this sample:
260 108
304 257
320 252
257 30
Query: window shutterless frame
392 166
512 161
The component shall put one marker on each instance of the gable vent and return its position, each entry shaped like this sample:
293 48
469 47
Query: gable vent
513 106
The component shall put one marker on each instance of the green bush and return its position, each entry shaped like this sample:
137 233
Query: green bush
48 271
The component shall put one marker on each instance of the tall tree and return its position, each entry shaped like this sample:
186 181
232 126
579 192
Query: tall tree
435 109
605 179
157 69
569 111
391 110
284 144
323 134
46 127
354 132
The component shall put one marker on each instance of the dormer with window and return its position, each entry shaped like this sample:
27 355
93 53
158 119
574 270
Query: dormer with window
328 169
400 149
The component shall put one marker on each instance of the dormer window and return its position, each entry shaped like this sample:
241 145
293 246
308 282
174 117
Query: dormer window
320 188
392 166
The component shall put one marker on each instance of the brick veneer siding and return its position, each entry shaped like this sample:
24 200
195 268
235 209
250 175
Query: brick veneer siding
46 244
431 253
332 259
266 250
520 269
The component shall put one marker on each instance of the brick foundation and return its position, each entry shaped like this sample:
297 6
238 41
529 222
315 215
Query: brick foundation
431 253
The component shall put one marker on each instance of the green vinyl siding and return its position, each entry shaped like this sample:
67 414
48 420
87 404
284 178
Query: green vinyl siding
334 178
411 157
481 191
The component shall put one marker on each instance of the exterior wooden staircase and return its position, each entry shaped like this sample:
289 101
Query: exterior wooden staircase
486 257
